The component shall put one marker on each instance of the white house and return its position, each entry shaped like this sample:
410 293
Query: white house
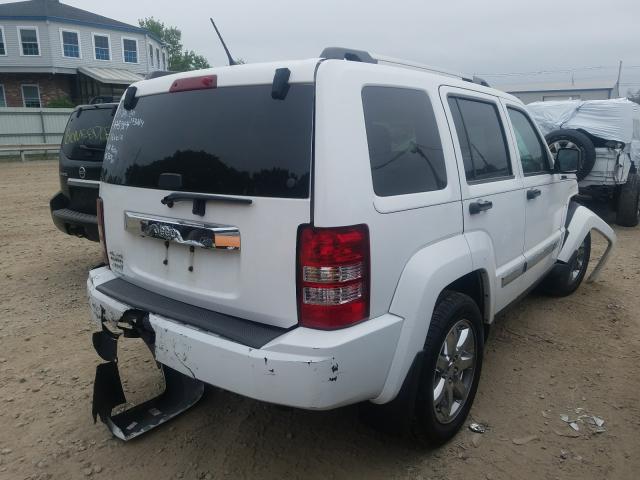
49 51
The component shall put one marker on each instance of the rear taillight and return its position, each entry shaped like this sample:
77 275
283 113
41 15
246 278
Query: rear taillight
333 276
103 241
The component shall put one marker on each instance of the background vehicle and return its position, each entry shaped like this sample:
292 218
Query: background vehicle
607 133
73 209
323 232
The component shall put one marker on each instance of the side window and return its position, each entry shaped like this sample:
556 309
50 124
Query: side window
405 149
482 140
3 50
102 47
533 153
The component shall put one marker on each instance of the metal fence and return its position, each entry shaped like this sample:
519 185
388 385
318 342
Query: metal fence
20 126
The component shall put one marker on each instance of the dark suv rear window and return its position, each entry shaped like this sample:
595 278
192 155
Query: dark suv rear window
229 140
86 134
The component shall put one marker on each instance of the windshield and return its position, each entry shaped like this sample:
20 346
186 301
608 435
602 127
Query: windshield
86 134
229 140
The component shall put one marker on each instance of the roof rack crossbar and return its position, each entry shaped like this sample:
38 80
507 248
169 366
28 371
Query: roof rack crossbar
341 53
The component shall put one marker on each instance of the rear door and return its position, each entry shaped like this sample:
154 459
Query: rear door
491 185
203 194
545 193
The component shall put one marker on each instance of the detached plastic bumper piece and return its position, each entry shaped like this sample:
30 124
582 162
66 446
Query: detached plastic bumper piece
181 392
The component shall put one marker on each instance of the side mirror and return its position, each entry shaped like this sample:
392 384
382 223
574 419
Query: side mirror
567 160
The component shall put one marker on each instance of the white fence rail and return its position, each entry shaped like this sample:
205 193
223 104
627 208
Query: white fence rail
32 126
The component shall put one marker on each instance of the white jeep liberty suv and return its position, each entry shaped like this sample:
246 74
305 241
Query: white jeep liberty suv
323 232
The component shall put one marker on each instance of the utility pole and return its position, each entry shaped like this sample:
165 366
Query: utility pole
618 81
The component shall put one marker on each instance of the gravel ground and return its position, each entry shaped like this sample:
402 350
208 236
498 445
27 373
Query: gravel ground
545 358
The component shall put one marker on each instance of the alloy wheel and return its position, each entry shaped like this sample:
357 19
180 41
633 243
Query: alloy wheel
455 369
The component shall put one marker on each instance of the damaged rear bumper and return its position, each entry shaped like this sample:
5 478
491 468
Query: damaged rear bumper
302 368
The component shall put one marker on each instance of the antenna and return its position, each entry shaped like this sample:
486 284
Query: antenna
224 45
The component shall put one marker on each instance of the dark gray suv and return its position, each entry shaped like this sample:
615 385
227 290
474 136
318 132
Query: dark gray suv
73 209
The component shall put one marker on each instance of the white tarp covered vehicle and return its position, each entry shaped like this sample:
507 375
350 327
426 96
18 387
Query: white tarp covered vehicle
607 132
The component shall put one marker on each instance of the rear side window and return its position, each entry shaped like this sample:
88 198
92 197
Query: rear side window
533 153
86 134
482 139
229 140
405 149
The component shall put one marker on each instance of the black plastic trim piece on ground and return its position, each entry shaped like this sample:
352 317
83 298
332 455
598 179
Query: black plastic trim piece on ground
180 394
236 329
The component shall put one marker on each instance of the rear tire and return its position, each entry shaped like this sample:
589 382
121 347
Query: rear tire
568 138
565 279
628 207
451 369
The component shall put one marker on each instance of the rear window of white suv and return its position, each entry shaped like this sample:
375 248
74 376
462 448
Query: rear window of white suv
405 149
229 140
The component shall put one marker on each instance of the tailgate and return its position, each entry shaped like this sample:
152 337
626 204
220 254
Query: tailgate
256 281
203 193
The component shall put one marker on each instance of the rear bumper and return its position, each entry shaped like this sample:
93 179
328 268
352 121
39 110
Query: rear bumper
71 221
303 368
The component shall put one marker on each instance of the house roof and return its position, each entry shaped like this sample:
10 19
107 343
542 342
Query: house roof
55 10
559 86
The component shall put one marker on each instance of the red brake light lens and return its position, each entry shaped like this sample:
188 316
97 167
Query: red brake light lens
103 241
333 276
194 83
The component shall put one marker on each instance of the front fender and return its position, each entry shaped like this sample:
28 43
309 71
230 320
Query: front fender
426 274
582 222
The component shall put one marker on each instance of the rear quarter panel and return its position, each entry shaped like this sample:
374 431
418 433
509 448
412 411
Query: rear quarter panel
401 225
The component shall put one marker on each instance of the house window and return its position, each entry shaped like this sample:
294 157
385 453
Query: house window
101 46
158 58
129 50
31 96
3 99
70 44
29 41
151 54
3 50
164 60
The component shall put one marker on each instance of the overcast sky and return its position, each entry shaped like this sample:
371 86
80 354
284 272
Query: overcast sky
474 36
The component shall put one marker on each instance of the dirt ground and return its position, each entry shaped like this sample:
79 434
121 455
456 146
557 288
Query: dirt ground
545 358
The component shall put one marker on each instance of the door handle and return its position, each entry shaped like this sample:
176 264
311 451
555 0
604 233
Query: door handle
479 206
533 193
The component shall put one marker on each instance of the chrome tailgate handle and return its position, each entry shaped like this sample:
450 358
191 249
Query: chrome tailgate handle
183 232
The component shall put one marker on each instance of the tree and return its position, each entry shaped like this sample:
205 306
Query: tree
634 97
60 102
180 60
188 60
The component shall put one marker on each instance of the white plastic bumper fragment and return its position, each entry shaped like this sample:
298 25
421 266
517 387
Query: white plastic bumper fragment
582 222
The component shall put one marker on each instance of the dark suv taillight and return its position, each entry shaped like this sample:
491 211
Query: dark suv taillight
333 276
103 241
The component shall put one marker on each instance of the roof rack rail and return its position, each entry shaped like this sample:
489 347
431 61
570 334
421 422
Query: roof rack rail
353 55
